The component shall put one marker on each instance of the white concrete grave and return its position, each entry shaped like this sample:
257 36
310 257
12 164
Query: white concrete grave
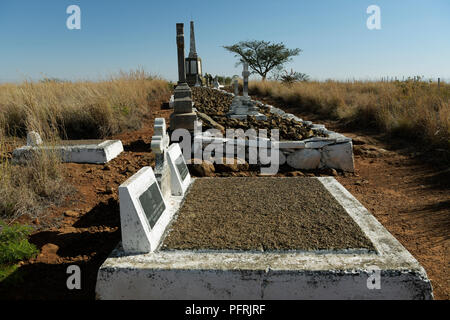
389 272
144 214
179 173
77 151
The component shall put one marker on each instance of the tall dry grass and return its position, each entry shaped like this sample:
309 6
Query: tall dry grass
79 109
414 109
56 109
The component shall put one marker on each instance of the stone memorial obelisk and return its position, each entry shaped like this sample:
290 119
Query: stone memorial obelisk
182 116
193 61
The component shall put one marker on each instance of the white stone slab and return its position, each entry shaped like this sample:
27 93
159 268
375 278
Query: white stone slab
307 159
179 173
96 152
338 156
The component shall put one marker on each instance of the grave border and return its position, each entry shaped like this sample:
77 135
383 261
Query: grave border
184 274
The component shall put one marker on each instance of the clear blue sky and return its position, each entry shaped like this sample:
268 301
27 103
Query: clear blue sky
120 35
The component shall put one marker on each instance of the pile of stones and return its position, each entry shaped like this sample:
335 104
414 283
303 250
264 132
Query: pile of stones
216 104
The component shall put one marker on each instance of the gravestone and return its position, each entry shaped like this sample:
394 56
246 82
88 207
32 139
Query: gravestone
76 151
241 107
179 173
144 214
159 145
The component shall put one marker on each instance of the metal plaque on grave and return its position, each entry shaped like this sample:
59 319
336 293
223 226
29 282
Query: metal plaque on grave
181 167
152 203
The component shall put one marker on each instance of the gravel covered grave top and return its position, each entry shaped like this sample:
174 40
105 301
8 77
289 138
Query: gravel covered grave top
263 214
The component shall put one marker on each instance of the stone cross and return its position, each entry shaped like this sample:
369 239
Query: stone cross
180 46
160 139
159 145
245 74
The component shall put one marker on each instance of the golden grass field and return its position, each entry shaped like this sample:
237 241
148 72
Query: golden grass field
79 109
412 109
56 110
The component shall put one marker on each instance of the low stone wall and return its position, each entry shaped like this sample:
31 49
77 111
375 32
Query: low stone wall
334 151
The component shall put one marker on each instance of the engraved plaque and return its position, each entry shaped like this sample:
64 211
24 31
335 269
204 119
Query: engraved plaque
181 167
152 202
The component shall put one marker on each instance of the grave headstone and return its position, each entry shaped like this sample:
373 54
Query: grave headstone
179 173
159 145
241 107
144 214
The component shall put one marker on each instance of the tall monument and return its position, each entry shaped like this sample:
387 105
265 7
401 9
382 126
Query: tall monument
193 62
182 116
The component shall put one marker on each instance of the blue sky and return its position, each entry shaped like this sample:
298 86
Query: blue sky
120 35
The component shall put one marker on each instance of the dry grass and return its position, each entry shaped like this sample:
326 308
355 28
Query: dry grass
28 189
416 110
79 110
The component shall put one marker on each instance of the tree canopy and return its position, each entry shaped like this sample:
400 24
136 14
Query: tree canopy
262 56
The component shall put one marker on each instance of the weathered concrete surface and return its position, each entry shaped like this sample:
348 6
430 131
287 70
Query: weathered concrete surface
343 274
338 156
97 153
304 159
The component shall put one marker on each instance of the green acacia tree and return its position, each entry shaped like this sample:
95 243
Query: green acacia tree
262 56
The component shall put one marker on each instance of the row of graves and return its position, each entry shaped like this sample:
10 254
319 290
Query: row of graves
262 237
249 237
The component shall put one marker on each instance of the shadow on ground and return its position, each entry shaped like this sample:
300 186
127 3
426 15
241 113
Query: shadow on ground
86 244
